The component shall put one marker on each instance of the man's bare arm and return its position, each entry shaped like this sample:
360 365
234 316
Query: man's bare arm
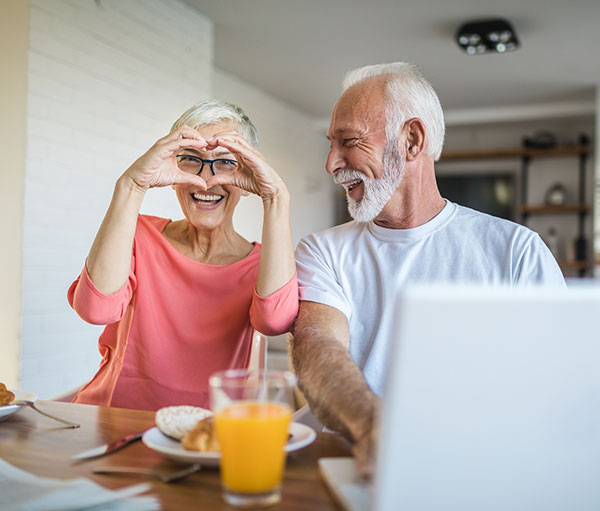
333 384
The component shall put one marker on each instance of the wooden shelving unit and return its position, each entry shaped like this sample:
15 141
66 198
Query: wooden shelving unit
544 209
525 154
573 265
519 152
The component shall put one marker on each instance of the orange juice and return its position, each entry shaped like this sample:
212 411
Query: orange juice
252 436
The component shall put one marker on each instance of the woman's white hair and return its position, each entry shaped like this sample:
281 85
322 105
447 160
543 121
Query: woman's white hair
213 111
409 95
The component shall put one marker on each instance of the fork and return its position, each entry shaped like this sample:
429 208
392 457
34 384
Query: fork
30 404
165 478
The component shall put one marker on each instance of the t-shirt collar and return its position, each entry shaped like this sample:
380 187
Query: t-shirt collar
421 231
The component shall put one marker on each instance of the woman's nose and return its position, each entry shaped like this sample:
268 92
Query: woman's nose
206 167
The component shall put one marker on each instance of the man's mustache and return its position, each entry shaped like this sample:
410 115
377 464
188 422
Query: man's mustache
347 175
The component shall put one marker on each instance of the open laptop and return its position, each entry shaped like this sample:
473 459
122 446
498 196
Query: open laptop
492 403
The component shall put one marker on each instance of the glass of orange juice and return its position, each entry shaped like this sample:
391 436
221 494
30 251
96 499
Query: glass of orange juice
253 410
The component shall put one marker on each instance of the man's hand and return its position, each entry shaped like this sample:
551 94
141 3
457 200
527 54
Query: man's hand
332 383
365 452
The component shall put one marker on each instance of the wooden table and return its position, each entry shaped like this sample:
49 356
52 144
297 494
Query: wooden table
43 447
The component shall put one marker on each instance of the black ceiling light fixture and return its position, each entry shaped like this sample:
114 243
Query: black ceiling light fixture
487 36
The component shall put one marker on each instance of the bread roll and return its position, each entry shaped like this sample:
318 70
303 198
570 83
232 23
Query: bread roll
175 421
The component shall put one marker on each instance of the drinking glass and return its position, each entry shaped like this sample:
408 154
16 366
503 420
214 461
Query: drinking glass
253 410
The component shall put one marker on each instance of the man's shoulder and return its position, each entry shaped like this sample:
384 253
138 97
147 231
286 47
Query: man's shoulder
485 223
334 235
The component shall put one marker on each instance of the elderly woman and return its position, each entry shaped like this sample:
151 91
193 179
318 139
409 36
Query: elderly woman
181 298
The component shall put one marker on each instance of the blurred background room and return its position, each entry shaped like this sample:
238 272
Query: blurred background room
88 85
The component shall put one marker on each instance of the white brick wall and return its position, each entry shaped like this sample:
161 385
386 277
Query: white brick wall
104 83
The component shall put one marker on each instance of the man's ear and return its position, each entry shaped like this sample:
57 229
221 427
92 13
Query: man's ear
414 132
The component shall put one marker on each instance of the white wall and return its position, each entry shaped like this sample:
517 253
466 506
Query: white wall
14 44
104 83
292 144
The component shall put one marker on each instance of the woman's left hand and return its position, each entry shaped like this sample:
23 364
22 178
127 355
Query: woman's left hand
253 174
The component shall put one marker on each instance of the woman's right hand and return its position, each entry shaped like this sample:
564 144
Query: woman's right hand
158 166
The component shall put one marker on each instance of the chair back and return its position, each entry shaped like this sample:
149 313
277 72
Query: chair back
258 352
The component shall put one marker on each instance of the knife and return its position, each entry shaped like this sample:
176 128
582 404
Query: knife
109 448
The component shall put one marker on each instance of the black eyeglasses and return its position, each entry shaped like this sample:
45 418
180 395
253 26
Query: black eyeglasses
194 164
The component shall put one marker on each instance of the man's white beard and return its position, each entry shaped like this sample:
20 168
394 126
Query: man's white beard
376 191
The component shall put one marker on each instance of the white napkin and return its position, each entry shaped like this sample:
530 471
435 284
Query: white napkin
22 491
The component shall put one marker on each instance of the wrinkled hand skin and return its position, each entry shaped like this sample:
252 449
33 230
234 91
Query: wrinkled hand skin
365 452
158 167
255 175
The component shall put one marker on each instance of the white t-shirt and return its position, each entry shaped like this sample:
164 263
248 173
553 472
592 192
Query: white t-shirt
358 268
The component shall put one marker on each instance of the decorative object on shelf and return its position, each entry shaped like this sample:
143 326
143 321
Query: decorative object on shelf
584 139
578 252
581 248
556 195
540 140
494 35
552 241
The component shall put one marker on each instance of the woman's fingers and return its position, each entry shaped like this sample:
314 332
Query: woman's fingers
254 174
222 179
174 146
185 132
237 145
247 155
182 178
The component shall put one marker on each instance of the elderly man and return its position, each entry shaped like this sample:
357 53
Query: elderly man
386 132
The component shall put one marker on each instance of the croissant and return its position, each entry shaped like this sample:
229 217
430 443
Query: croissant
6 396
202 437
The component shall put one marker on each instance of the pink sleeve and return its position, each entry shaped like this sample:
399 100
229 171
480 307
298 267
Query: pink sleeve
274 314
96 307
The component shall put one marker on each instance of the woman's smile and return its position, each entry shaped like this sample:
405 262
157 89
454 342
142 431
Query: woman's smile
206 200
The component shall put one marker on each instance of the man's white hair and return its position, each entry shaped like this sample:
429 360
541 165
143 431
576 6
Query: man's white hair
213 111
409 95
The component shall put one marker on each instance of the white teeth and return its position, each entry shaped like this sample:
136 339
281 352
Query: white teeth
200 196
350 184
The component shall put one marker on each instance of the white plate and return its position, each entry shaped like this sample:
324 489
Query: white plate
302 436
7 410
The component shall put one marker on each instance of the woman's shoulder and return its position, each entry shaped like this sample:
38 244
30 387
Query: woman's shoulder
151 224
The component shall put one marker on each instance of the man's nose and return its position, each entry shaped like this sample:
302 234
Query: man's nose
334 161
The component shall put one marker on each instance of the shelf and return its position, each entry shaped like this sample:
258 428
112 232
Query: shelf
526 155
545 209
554 152
573 265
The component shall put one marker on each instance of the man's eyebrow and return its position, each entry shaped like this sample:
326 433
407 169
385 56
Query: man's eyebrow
349 132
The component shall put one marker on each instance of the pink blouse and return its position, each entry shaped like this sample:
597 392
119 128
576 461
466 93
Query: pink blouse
175 322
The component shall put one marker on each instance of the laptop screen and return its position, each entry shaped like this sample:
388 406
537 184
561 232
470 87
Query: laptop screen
492 401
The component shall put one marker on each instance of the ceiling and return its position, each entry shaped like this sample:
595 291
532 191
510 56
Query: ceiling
299 50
